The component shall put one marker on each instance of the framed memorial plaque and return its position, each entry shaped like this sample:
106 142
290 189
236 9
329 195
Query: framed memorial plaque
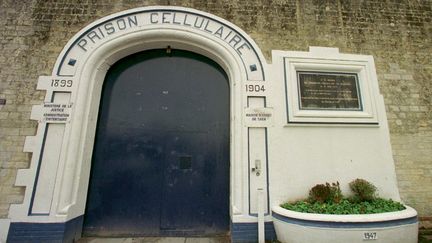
328 91
323 86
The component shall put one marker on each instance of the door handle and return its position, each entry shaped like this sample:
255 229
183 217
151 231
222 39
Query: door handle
257 168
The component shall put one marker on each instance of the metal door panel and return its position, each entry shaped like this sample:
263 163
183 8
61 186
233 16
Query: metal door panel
161 156
183 181
111 192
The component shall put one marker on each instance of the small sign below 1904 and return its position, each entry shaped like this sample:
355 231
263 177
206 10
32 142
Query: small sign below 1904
258 116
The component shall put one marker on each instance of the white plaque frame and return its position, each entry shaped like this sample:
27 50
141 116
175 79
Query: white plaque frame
329 60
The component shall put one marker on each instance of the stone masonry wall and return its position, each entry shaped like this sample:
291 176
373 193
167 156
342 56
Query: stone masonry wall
397 33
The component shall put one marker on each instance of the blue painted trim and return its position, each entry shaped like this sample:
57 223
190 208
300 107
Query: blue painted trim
363 225
248 232
35 184
337 123
156 10
267 168
286 90
69 231
249 167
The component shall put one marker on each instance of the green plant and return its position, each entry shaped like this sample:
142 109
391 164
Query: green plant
325 193
363 190
345 206
328 199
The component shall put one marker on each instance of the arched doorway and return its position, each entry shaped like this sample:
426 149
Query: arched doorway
161 156
55 198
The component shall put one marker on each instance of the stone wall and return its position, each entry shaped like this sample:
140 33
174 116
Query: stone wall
397 33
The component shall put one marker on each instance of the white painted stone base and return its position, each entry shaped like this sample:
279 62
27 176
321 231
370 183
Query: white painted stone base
4 229
298 234
302 228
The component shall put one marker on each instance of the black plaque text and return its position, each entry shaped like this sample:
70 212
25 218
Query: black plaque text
328 91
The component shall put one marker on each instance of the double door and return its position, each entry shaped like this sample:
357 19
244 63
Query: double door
161 156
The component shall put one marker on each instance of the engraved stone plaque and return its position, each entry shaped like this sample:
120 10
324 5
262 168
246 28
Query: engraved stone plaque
56 113
328 91
258 117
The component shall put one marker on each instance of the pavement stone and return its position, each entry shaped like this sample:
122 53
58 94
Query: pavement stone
155 240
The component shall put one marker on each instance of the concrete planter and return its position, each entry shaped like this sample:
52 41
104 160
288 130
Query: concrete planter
291 226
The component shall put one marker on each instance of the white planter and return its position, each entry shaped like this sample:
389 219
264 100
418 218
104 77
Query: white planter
400 226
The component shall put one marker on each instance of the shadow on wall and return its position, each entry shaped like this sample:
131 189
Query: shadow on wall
2 103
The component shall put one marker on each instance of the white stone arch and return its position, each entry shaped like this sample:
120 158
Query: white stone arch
57 180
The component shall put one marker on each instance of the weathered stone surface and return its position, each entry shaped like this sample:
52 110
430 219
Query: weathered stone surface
397 33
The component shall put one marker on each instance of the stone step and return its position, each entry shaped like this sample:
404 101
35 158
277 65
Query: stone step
222 239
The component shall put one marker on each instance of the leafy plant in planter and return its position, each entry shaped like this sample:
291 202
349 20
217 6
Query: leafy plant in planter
328 199
363 190
325 193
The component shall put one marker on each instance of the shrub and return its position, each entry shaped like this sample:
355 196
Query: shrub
363 190
325 193
335 192
319 193
327 199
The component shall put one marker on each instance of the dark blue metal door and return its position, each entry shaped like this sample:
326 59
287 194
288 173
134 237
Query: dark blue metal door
161 156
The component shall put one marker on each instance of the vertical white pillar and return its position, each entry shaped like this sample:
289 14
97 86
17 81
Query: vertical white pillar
261 210
42 196
257 159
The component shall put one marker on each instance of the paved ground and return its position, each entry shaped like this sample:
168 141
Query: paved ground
425 236
156 240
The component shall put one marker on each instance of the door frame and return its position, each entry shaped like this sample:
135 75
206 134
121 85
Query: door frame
175 41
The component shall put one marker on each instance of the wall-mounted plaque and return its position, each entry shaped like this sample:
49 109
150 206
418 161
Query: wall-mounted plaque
328 91
56 113
258 116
